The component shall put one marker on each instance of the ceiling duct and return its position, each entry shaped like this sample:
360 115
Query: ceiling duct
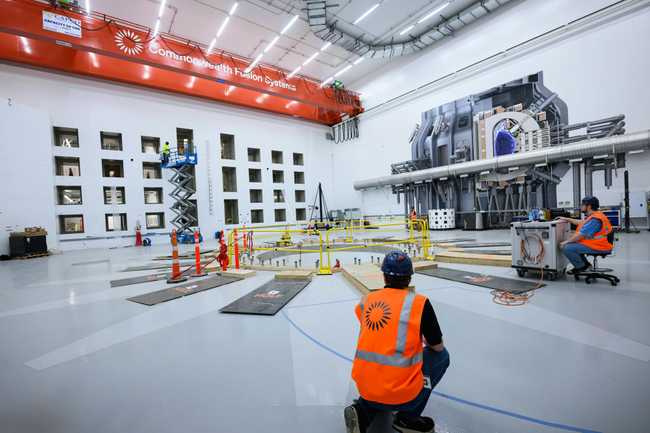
328 30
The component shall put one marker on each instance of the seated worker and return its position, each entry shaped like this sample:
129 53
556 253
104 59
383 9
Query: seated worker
400 355
589 238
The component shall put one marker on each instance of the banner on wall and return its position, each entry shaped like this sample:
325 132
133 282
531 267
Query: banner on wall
33 32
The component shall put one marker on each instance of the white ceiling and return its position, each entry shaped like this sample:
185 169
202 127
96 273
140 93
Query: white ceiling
256 22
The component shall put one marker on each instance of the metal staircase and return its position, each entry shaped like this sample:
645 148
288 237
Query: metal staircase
184 187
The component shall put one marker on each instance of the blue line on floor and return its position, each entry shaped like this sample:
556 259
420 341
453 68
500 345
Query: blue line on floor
341 301
451 397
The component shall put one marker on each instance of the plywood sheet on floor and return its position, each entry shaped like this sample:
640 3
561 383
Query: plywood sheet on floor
474 259
365 277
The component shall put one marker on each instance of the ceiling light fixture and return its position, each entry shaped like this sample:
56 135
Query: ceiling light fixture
366 13
223 25
326 46
255 62
294 72
343 71
156 28
270 45
406 30
359 60
161 10
324 83
289 24
433 12
214 41
88 6
312 57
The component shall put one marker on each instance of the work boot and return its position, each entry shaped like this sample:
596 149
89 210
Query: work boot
579 270
420 424
354 419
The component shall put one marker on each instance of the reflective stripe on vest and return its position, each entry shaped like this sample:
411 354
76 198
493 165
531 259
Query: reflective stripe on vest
392 361
397 360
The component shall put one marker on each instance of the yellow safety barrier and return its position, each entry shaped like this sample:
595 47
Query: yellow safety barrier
325 247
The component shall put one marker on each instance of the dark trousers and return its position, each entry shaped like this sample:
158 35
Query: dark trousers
434 366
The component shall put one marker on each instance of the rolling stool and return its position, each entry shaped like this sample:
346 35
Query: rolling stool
593 273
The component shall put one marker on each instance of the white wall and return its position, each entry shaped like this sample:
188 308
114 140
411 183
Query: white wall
42 100
25 128
599 72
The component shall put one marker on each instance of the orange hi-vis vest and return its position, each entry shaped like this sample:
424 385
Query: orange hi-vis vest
388 363
599 241
414 215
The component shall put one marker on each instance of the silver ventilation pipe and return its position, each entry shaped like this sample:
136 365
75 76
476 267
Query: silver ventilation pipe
321 26
584 149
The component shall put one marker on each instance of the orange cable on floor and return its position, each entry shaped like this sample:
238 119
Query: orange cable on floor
503 297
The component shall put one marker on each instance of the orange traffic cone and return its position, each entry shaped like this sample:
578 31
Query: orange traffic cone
176 276
198 272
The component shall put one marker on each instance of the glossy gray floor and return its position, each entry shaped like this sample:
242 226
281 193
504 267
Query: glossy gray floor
77 357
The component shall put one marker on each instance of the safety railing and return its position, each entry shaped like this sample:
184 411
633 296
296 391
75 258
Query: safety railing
323 242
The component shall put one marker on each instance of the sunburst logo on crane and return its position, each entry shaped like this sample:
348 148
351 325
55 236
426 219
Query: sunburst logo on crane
129 42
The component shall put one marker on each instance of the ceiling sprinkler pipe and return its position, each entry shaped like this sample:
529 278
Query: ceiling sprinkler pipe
583 149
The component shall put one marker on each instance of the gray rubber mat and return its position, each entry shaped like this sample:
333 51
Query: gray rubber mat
138 280
268 299
492 252
448 241
483 244
489 281
157 266
185 289
91 262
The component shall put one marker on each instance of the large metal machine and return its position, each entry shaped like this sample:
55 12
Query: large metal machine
458 161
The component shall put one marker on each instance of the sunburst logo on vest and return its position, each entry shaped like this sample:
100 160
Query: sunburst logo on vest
377 315
129 42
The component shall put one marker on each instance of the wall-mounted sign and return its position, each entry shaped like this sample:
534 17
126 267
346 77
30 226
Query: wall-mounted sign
62 24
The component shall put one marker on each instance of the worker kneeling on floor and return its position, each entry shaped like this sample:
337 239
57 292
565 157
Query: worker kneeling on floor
590 236
400 355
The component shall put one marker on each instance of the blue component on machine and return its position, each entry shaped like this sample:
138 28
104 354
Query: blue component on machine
504 143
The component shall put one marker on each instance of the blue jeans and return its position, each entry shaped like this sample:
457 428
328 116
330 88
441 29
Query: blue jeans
575 253
434 366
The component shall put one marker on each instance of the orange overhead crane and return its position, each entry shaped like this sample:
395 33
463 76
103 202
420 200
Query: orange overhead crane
34 33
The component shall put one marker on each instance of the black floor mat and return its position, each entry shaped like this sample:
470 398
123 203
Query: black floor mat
489 281
138 280
189 288
268 299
